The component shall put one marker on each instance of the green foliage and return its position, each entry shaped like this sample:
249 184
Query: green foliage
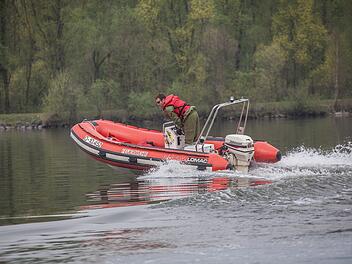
107 54
26 96
322 78
300 99
141 104
62 97
148 12
103 95
202 10
243 85
270 61
302 36
181 23
197 77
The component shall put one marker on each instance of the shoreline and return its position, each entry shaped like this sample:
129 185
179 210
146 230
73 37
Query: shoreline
27 126
260 111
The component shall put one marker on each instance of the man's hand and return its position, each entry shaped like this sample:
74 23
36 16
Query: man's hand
179 131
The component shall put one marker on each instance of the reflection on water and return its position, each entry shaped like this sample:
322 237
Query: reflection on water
156 190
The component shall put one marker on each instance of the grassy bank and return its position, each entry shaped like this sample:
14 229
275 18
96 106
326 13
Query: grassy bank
257 110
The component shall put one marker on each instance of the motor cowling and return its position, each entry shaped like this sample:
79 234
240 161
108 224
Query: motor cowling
239 151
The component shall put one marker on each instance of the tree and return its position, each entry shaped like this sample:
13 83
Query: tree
181 23
103 95
302 37
269 64
337 18
5 48
205 50
62 97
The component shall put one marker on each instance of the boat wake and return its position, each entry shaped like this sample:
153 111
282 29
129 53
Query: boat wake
304 161
302 170
305 176
300 161
341 155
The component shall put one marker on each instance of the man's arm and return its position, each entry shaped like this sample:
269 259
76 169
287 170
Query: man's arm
171 115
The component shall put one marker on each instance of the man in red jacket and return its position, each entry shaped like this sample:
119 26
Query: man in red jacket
183 115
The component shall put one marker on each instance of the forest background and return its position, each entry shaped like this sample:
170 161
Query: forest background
96 57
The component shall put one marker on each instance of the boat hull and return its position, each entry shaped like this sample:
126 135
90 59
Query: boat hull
126 154
136 148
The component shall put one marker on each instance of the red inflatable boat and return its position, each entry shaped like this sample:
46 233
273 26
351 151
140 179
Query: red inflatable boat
138 148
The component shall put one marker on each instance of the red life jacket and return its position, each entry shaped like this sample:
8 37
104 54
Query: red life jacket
180 107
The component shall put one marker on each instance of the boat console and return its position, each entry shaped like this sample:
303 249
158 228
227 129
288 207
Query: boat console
172 136
238 149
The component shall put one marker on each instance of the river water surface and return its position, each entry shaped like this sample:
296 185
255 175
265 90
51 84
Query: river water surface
58 205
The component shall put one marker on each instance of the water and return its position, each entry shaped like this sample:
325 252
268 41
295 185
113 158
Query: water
57 205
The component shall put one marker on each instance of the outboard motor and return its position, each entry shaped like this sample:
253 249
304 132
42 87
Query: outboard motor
239 151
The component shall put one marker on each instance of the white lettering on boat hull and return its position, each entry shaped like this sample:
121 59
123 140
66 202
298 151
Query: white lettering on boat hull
135 152
93 141
197 160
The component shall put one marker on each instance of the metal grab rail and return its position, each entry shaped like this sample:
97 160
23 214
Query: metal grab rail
240 129
214 112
